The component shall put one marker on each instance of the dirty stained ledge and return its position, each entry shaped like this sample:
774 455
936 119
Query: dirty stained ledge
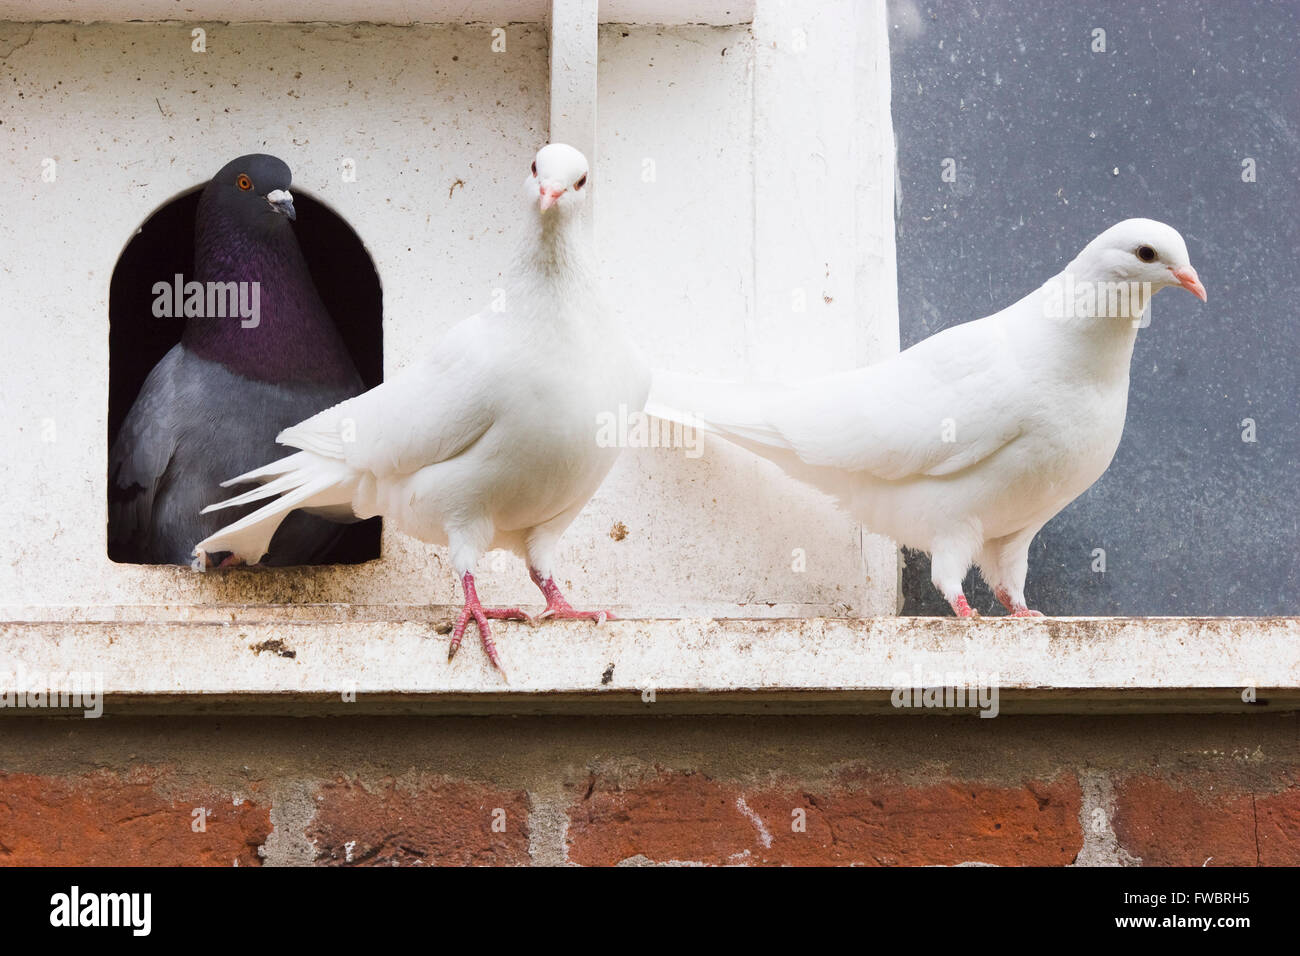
344 659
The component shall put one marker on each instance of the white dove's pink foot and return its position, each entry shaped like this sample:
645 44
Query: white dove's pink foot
558 608
481 615
1015 608
961 608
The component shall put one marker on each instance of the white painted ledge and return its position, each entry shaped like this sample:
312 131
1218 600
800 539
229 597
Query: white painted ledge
667 12
304 659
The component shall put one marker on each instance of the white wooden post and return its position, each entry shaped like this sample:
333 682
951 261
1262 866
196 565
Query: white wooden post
573 83
824 276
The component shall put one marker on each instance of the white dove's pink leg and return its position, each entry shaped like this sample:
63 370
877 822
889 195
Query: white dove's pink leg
560 609
961 607
1015 605
481 615
949 561
1005 564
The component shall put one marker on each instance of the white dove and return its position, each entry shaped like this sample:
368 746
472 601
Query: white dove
967 443
490 440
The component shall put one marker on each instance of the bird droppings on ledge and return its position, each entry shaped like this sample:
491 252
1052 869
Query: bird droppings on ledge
608 676
619 531
274 646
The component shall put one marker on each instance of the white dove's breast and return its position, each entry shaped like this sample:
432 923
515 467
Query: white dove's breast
1065 446
540 458
548 454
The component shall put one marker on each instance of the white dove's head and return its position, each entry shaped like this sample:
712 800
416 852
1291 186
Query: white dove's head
1141 250
558 178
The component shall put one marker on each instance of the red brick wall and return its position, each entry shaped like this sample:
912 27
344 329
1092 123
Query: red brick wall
601 791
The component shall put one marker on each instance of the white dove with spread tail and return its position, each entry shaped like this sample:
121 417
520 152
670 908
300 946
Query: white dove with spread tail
967 443
490 440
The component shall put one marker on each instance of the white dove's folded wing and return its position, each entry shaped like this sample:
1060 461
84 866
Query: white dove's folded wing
426 414
932 410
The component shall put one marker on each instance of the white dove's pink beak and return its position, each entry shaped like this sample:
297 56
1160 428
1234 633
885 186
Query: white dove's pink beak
1189 280
548 197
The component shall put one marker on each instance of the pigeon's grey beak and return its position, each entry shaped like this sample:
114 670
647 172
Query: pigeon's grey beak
548 197
1189 280
282 202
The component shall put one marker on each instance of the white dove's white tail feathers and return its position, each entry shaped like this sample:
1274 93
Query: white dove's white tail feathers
269 490
281 466
325 442
320 485
730 409
735 411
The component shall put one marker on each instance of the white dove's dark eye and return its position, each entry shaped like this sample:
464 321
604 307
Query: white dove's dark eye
534 169
581 182
1146 254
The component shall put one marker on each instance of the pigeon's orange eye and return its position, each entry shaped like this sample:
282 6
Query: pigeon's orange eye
243 182
1146 254
581 182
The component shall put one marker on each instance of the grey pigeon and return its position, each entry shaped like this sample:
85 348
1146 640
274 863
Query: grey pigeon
214 403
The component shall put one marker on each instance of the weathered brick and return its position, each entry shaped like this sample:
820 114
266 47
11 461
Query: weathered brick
678 816
139 817
859 819
1209 819
431 822
1278 827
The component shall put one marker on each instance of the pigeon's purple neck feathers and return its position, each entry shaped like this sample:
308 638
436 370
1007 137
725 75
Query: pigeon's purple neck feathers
294 339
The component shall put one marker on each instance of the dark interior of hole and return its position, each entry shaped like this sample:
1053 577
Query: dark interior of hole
340 267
